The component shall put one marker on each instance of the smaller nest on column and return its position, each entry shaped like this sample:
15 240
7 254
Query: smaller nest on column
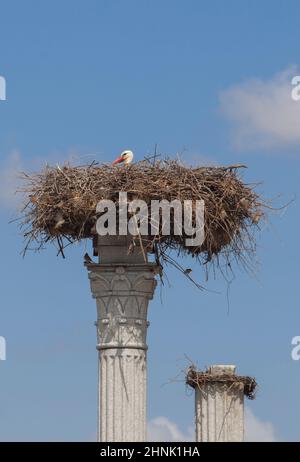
61 207
198 379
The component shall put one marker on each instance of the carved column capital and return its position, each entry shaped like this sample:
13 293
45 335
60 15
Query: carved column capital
122 293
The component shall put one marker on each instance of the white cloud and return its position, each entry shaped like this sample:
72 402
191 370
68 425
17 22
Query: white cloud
262 113
256 429
10 169
163 429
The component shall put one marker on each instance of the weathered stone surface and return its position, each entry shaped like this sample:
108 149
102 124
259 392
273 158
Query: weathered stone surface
219 409
122 292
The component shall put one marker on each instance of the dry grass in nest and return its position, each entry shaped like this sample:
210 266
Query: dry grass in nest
61 204
198 379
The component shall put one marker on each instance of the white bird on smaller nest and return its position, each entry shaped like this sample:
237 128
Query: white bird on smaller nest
126 158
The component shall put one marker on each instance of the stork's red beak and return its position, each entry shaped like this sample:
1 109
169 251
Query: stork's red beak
118 160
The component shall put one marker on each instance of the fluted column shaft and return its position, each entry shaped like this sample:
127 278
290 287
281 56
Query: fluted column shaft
122 399
219 409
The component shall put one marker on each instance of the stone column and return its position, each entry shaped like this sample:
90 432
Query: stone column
122 284
219 403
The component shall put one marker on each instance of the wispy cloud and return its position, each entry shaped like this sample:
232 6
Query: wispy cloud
9 171
196 159
262 113
256 429
163 429
14 163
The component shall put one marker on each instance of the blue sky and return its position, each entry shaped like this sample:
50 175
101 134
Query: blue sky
210 80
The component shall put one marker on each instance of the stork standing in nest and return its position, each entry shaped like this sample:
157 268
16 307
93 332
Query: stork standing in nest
125 158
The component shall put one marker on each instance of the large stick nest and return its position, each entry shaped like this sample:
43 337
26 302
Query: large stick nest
199 379
61 205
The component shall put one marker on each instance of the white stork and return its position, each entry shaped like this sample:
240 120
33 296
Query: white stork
126 158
